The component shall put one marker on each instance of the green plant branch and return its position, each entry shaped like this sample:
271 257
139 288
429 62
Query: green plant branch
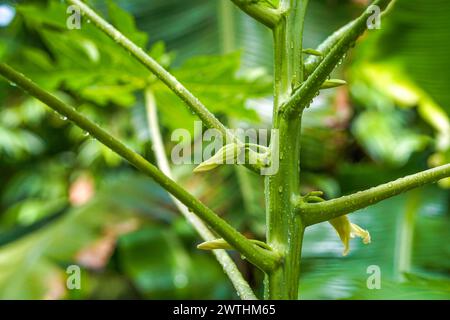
231 270
168 79
260 10
303 96
324 48
264 259
313 213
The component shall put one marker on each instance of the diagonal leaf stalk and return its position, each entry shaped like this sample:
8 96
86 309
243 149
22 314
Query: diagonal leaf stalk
313 61
329 43
264 259
168 79
313 213
261 10
240 284
308 89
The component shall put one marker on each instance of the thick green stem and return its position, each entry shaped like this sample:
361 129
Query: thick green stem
284 227
313 213
231 270
264 259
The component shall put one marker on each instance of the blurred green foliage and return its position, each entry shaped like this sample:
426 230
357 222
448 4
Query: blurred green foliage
129 240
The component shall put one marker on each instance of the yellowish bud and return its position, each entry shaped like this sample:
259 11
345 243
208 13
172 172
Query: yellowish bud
226 154
346 230
214 244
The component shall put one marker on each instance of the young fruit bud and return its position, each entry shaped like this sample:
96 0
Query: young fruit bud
226 155
313 197
222 244
214 244
333 83
312 52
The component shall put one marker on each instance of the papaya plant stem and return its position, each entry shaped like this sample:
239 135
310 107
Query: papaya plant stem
303 96
168 79
264 259
313 213
284 227
231 270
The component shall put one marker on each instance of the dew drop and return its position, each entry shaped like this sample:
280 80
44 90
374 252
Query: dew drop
280 189
86 134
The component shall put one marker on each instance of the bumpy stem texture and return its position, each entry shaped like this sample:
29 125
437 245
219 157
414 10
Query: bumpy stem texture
313 213
284 226
264 259
324 48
